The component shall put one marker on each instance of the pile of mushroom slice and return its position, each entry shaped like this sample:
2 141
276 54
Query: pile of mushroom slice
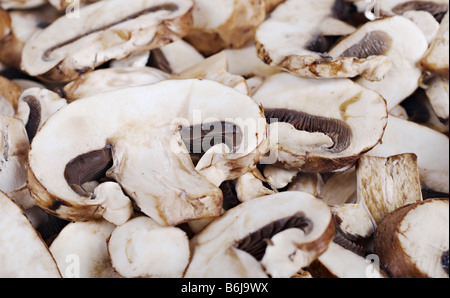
225 138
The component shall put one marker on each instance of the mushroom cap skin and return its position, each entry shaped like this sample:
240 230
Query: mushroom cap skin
292 39
142 248
140 129
70 47
405 48
412 240
356 114
85 242
26 256
243 224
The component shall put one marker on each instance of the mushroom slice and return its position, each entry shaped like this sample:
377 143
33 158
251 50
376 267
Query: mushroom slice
21 4
118 208
293 38
425 21
9 97
215 68
142 248
279 177
307 182
413 241
353 221
402 136
81 250
110 79
404 44
438 95
24 23
5 23
339 188
437 8
385 184
23 253
436 58
252 185
70 47
251 225
36 106
224 24
338 262
309 138
14 148
139 139
175 57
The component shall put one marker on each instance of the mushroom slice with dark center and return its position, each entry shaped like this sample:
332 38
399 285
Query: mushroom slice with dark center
64 50
139 129
252 226
310 138
399 39
293 38
413 241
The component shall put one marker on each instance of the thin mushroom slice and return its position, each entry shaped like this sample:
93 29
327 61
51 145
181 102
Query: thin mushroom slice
250 225
70 47
110 79
436 58
9 97
37 105
437 92
413 241
81 250
305 136
21 4
293 38
339 188
404 44
253 185
224 24
386 184
437 8
22 251
402 136
138 141
142 248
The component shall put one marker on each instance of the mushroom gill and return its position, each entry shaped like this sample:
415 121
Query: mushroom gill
88 167
256 243
337 130
374 43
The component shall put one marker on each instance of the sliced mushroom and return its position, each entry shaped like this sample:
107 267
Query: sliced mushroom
117 207
137 141
24 23
309 138
23 254
111 79
14 148
21 4
214 68
81 251
307 182
68 47
339 188
293 38
252 185
425 21
413 241
386 184
9 97
404 44
175 57
402 136
353 221
338 262
278 177
36 106
436 58
251 225
142 248
224 24
137 59
438 95
437 8
5 23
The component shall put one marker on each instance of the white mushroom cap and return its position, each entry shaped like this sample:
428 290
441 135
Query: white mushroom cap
23 253
142 248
